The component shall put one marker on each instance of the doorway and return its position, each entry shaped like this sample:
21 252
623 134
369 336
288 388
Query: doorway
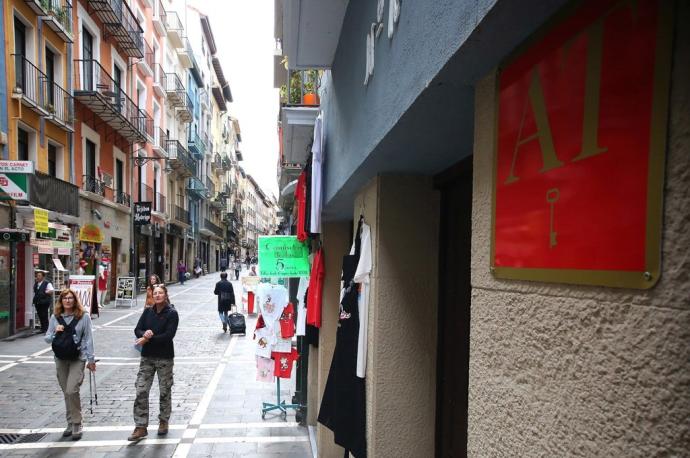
455 185
114 258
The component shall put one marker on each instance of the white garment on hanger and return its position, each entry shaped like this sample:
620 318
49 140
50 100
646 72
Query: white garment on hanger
302 307
316 172
362 276
272 299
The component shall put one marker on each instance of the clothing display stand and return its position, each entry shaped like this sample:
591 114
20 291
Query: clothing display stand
279 405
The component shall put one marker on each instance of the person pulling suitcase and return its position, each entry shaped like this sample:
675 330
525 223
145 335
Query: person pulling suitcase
226 299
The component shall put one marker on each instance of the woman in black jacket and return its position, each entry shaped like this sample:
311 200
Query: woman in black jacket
226 298
155 332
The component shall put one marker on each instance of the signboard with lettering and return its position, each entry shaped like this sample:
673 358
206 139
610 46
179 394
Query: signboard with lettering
41 220
142 213
283 256
580 147
14 182
82 285
125 292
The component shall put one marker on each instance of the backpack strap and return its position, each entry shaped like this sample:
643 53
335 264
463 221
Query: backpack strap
61 320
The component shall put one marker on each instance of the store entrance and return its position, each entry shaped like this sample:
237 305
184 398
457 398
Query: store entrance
453 356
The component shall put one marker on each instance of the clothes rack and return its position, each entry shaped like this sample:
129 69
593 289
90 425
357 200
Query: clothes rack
279 405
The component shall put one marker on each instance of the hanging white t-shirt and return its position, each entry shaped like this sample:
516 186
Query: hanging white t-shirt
265 341
302 307
362 275
272 299
316 169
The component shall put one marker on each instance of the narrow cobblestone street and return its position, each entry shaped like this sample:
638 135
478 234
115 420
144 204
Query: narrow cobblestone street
216 400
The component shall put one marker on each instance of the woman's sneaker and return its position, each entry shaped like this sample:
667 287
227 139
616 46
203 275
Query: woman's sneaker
76 431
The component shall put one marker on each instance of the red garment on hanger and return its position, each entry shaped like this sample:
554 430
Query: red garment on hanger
283 363
287 322
301 201
315 290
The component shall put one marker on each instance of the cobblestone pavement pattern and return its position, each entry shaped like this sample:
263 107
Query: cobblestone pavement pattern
216 402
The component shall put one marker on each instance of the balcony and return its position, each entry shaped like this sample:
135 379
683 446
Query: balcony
180 160
210 229
179 214
175 30
96 89
57 14
159 18
120 23
217 163
174 89
159 80
147 64
146 124
93 185
60 196
196 146
196 189
185 111
160 139
122 198
159 203
227 163
210 186
185 54
218 201
59 105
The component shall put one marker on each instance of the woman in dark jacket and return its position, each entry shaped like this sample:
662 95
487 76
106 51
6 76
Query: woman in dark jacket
155 332
226 299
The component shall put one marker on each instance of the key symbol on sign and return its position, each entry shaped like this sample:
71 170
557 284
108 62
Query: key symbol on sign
552 197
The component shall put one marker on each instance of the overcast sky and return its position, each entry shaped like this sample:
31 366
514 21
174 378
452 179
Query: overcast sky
243 30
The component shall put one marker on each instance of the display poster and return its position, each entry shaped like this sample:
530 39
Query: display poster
124 295
283 256
142 213
82 285
41 220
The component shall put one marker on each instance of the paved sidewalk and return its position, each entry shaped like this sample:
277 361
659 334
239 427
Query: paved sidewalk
216 400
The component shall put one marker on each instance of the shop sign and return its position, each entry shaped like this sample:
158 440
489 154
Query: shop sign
14 186
14 235
580 148
82 285
16 167
91 233
41 220
142 213
283 256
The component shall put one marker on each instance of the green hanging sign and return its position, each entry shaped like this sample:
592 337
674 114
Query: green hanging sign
283 256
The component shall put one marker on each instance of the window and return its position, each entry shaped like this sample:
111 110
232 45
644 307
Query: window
52 160
119 175
22 145
50 75
90 157
87 55
20 50
117 76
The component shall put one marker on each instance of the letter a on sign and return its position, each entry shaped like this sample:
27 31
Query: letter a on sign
580 148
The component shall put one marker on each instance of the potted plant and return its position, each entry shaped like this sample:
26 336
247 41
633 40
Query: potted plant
311 87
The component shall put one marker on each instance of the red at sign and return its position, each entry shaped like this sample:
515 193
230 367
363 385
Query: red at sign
580 148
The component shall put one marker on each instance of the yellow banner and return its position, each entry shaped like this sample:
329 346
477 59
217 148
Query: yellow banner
40 220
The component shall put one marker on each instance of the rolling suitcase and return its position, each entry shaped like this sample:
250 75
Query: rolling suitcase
237 323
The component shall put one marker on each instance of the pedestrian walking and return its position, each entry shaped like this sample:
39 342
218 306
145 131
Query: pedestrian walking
238 268
181 272
153 281
43 298
248 260
223 265
226 298
71 337
155 332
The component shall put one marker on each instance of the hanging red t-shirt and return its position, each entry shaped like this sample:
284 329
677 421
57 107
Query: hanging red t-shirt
301 204
259 324
315 290
283 363
287 322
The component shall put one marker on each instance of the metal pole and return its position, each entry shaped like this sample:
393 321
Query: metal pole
13 270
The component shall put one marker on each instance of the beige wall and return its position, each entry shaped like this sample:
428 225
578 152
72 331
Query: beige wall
559 370
401 361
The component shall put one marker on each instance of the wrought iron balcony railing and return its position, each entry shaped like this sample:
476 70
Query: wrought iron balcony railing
180 214
174 89
93 185
120 23
209 226
160 138
180 158
96 89
196 146
122 198
159 203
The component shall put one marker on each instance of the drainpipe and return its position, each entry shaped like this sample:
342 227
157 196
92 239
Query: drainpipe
3 89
